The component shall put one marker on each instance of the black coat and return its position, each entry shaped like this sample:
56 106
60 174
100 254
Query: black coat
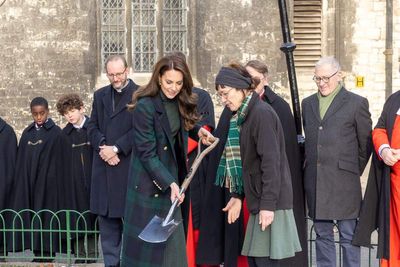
8 154
35 183
337 149
205 108
219 242
74 170
375 213
110 127
293 155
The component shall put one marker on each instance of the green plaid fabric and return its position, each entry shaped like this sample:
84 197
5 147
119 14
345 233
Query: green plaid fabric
230 165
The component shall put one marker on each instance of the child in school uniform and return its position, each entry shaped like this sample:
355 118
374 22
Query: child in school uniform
35 185
74 168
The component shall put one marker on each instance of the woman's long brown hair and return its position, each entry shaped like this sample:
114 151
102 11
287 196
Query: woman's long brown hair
187 101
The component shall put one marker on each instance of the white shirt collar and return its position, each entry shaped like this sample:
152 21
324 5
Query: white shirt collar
81 125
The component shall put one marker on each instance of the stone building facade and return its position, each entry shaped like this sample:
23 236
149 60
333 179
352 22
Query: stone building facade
53 47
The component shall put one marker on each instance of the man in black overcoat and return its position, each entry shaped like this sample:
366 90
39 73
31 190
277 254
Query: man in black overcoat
337 126
110 133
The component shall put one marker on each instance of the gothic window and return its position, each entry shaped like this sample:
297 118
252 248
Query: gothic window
143 30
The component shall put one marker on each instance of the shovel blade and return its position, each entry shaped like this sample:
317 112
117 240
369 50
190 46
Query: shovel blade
157 231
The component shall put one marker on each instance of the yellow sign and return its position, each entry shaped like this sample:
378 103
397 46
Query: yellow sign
359 81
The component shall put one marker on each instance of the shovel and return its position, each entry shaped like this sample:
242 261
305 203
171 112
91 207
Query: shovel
158 230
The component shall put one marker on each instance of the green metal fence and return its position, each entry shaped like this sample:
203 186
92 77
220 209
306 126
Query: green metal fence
69 236
66 236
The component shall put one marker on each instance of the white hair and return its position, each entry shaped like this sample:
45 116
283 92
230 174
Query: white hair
330 60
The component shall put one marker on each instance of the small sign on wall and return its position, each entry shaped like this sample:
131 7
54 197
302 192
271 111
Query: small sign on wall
359 81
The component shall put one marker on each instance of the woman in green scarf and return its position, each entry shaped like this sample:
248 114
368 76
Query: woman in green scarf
254 165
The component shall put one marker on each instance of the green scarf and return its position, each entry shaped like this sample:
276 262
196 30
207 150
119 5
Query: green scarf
230 165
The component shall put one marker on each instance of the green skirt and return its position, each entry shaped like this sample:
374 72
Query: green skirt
278 241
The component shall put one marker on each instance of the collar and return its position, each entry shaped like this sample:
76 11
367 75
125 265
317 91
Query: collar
81 125
47 125
70 127
120 90
270 96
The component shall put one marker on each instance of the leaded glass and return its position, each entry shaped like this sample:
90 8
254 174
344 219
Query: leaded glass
112 28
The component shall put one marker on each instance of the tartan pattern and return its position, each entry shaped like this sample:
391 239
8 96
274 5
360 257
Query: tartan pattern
154 167
230 166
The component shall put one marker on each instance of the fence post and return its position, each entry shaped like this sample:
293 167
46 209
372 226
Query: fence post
68 234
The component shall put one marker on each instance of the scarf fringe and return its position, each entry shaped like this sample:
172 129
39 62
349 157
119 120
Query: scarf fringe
235 183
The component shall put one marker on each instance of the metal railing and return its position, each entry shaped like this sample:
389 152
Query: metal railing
44 236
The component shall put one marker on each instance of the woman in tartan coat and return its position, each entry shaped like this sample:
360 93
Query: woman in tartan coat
166 109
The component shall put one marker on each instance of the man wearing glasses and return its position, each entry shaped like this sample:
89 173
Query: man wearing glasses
109 131
337 126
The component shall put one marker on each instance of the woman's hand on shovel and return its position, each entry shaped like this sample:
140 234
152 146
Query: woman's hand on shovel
175 193
206 137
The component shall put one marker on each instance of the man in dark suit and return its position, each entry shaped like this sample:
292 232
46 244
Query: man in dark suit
110 134
337 126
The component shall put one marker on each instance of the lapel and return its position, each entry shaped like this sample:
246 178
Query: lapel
163 119
107 100
315 106
339 100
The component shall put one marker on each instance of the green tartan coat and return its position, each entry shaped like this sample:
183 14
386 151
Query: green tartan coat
155 165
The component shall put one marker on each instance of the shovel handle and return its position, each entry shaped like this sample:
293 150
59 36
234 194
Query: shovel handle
189 177
196 163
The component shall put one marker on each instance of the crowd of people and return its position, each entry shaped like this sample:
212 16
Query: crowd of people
246 204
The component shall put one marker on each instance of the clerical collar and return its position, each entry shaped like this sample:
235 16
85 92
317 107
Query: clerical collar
81 125
120 90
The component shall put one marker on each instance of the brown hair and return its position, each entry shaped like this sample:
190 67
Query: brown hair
68 102
242 71
187 100
259 66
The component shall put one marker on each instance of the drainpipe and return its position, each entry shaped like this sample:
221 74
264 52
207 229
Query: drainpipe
389 49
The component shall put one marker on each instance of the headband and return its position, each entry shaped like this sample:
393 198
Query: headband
231 77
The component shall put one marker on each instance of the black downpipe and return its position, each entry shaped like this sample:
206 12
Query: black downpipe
288 47
389 49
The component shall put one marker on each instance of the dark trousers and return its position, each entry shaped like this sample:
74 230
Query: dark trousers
111 239
325 245
262 262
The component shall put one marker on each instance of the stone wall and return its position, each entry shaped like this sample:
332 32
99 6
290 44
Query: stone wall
51 47
238 30
48 48
355 32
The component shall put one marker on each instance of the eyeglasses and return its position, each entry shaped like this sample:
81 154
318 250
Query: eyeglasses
116 75
225 94
324 79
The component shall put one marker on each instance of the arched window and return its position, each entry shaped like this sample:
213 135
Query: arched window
143 30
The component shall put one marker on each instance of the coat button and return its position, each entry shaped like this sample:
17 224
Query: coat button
155 195
165 148
320 128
